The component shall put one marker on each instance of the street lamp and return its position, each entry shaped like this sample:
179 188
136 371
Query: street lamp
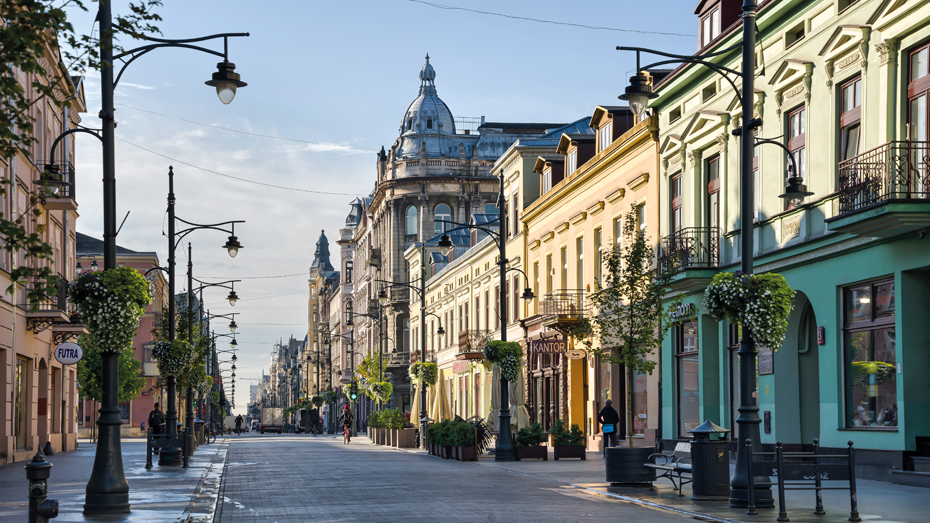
233 298
638 93
226 80
233 326
234 344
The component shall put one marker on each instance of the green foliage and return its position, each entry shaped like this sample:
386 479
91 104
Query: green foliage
761 303
88 372
111 304
508 355
173 358
29 40
393 419
461 433
368 370
317 401
380 392
215 402
374 420
563 437
330 396
428 372
531 436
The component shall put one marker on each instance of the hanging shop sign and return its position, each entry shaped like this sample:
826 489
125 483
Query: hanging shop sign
68 353
576 354
548 346
459 367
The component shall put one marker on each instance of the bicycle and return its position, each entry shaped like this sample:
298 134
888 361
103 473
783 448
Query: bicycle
347 435
211 436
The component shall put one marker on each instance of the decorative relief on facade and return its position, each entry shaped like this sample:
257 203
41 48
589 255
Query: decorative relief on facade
638 182
790 227
616 196
723 142
562 227
888 50
849 60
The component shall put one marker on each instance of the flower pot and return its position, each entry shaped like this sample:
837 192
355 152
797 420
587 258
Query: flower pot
374 436
406 438
533 452
447 452
626 466
395 437
370 435
569 451
468 453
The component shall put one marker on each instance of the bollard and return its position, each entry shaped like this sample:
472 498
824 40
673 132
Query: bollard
47 449
41 509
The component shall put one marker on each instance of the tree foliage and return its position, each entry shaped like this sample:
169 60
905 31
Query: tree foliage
39 50
88 372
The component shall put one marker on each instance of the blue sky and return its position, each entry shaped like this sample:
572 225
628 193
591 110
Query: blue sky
340 75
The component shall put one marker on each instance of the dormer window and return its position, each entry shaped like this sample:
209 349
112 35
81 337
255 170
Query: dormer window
429 123
604 136
547 181
571 161
710 27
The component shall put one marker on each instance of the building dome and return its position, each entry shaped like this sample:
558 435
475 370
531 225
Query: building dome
425 120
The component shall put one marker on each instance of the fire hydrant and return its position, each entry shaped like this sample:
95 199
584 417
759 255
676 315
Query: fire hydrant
41 509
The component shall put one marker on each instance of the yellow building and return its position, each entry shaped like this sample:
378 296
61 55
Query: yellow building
586 189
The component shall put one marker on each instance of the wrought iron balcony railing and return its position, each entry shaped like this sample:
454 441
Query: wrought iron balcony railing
565 306
893 171
692 247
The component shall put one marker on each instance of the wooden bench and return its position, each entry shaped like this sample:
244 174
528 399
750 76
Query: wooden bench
675 464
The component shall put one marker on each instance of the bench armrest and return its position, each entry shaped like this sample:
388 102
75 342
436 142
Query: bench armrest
653 457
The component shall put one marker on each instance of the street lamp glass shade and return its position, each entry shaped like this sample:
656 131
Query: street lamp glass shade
94 266
382 296
440 331
234 344
445 243
795 191
233 326
233 298
233 374
234 358
639 92
232 246
234 367
78 267
528 294
52 179
638 103
226 81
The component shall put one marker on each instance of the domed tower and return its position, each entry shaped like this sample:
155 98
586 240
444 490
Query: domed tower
427 124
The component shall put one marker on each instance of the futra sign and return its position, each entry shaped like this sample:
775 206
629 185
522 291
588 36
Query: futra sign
68 353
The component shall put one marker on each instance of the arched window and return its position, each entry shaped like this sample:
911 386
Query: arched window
443 214
411 220
349 266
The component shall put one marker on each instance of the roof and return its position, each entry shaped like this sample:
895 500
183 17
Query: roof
87 245
579 126
543 160
521 127
485 219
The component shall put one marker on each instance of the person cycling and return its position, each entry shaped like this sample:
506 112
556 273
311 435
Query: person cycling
346 417
238 424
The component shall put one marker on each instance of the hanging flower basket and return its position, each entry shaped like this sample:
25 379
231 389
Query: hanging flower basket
380 391
758 302
507 354
111 303
428 372
317 401
173 358
329 396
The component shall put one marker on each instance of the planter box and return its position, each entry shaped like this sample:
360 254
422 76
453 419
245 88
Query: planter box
370 434
533 452
469 453
569 451
626 466
407 438
447 452
374 436
395 437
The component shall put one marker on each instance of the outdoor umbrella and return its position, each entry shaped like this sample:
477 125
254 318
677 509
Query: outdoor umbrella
493 420
415 405
433 401
442 409
521 416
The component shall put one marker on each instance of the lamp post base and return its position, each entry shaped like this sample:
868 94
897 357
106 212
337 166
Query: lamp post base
170 456
762 497
106 504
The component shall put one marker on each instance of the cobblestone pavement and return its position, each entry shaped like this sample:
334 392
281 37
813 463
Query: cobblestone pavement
300 478
159 495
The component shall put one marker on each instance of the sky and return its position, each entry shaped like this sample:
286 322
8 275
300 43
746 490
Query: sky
328 84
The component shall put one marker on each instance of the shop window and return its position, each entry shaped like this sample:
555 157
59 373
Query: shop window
689 388
640 403
869 347
21 402
124 412
851 110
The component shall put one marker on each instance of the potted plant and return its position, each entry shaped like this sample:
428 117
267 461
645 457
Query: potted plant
530 443
373 425
567 443
462 438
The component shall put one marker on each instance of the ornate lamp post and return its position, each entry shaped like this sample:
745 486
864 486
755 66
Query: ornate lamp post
505 449
638 93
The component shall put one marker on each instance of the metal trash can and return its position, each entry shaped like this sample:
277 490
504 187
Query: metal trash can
710 462
198 432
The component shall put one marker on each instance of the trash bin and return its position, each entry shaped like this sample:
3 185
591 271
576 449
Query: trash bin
198 432
710 462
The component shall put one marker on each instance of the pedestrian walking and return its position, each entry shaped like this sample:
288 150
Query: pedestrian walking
238 424
608 418
156 422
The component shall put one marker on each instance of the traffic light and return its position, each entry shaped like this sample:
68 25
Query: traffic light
353 391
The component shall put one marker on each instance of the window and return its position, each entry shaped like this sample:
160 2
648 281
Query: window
550 272
851 93
547 181
349 272
797 120
409 124
412 224
516 216
124 412
709 92
794 35
429 123
641 216
918 91
579 262
598 257
710 27
869 347
604 136
563 263
21 402
571 162
756 181
713 192
674 114
516 299
536 287
675 194
349 313
406 338
689 388
497 307
442 214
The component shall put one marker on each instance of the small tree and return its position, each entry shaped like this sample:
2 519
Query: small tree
631 319
88 372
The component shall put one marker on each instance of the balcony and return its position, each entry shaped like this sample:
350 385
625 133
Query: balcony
564 309
42 315
64 199
471 343
884 192
690 248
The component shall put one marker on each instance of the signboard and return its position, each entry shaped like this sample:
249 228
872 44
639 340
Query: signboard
682 311
68 353
459 367
146 392
821 336
217 380
549 346
576 354
766 361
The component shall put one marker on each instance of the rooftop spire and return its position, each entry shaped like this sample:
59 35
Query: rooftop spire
321 255
427 78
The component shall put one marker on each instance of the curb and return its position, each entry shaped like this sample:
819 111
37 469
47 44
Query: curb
635 501
200 499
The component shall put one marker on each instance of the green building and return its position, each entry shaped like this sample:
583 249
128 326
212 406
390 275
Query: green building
845 85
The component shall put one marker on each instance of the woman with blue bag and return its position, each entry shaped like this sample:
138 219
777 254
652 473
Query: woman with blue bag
608 418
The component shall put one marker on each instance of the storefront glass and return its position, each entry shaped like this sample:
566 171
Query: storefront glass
689 390
869 343
20 388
